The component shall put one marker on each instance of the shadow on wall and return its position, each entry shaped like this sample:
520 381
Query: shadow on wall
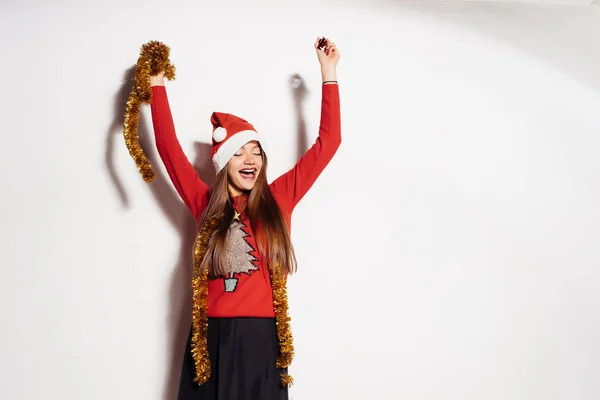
115 131
563 36
180 296
299 94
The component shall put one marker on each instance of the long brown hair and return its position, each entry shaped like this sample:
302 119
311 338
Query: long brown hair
266 220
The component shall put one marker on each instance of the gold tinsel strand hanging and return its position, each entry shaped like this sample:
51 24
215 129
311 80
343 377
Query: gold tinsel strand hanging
153 59
200 301
284 331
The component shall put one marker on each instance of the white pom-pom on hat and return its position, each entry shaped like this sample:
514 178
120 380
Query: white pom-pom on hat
219 134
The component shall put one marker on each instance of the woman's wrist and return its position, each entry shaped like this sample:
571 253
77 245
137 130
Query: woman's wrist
328 75
157 80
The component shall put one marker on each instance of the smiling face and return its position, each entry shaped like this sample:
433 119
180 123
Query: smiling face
244 167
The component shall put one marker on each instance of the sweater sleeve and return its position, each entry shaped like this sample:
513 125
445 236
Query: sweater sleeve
290 187
192 190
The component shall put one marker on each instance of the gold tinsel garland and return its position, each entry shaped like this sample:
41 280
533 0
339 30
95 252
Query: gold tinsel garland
200 310
200 301
284 331
153 59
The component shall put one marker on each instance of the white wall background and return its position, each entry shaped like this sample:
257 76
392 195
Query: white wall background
450 251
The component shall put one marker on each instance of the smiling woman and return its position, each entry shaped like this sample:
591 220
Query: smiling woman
240 343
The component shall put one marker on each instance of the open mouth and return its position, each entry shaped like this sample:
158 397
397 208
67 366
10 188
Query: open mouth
248 173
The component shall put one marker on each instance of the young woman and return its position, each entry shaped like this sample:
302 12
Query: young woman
240 343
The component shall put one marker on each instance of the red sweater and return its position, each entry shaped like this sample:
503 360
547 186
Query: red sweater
246 290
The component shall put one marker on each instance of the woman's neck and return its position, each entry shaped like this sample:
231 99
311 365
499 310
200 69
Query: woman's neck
239 199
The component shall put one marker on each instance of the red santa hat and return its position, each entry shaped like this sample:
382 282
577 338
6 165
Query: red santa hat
230 133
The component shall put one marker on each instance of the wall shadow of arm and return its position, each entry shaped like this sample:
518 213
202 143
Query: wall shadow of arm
116 129
299 94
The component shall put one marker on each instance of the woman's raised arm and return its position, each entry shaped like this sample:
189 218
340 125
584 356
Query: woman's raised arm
290 187
193 191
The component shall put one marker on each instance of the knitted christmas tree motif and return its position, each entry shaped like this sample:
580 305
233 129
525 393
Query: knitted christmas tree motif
240 260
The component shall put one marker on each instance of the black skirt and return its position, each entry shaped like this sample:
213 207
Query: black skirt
242 352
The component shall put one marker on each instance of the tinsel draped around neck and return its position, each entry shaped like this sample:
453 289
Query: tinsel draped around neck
199 342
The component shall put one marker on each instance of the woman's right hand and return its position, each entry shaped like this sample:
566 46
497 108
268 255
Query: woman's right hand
157 80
